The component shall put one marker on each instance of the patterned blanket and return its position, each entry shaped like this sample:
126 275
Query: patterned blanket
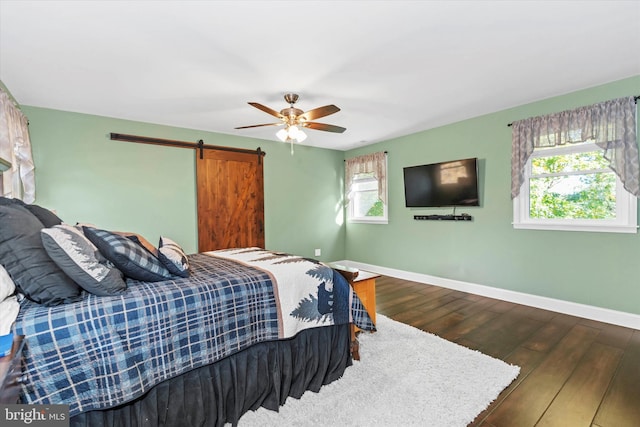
104 351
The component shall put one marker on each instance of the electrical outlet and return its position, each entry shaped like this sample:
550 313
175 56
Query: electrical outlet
318 252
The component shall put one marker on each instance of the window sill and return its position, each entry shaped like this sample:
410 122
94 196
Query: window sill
578 227
368 221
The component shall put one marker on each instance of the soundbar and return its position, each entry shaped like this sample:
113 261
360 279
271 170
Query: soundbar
462 217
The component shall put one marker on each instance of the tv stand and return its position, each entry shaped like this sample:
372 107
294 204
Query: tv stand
462 217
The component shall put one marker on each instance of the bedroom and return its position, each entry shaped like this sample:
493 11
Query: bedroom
87 177
83 166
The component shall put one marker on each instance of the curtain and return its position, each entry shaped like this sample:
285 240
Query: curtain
610 124
15 147
369 163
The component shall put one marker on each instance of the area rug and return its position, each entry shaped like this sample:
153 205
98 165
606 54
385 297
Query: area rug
405 377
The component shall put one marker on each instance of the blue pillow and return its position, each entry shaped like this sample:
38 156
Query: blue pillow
25 259
46 217
129 257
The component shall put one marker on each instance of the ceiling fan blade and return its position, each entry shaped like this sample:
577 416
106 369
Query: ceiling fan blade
316 113
324 126
267 110
256 126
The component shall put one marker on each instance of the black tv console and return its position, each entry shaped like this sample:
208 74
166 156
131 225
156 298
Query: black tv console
463 217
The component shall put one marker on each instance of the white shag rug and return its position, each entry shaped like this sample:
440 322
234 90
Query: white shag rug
406 377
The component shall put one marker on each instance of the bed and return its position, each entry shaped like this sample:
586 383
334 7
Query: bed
247 328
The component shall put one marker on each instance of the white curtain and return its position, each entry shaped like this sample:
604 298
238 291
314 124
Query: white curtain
375 163
610 124
15 147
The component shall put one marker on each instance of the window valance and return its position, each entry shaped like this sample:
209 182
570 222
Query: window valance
610 124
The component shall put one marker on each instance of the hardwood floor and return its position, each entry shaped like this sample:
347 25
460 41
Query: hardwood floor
574 371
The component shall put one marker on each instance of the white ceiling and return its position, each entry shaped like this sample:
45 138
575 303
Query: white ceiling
393 67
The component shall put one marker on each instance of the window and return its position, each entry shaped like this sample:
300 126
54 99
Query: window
572 187
366 188
365 205
577 170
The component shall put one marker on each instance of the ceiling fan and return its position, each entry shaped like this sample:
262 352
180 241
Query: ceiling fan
294 119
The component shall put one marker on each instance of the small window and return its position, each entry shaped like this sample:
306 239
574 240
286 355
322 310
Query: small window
366 188
365 204
571 187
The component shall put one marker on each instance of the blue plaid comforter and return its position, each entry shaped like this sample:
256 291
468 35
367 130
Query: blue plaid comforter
101 352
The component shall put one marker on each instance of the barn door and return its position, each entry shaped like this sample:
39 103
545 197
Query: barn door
230 200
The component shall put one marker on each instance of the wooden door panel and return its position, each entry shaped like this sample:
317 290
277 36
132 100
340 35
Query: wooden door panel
230 200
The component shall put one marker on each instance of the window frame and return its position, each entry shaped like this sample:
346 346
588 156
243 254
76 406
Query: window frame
367 219
626 220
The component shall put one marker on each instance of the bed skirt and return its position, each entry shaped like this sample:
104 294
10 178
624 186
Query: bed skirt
265 374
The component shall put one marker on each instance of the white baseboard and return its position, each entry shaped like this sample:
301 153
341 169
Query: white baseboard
600 314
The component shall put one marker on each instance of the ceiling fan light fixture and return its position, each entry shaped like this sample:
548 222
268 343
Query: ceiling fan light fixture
301 136
291 133
282 135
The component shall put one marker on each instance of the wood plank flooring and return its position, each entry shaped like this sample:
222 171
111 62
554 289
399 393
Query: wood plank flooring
574 371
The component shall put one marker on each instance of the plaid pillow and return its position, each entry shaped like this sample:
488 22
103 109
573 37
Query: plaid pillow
129 257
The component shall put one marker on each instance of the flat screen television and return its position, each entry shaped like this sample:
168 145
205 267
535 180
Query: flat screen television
453 183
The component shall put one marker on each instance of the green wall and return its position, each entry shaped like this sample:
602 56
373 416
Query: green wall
86 177
599 269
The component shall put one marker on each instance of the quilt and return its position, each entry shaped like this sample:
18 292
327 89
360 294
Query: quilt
101 351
